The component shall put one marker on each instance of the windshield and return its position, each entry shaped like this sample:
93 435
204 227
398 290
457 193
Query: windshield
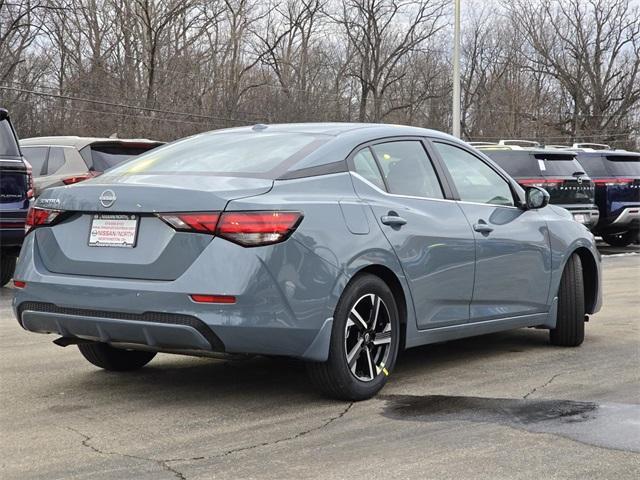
232 153
8 144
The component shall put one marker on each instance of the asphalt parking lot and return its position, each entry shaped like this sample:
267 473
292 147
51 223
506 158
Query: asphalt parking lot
506 405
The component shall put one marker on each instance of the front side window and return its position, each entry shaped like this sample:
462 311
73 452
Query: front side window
475 180
407 169
365 165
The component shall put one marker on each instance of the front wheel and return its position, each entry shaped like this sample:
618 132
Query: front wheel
569 331
115 359
364 342
622 239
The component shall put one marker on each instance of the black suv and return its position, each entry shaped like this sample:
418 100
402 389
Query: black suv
557 171
16 189
616 174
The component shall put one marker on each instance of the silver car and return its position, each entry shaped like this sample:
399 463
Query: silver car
66 160
338 244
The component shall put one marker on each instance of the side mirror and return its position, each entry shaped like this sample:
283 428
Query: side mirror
536 198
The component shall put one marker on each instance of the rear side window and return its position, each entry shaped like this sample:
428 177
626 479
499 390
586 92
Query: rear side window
263 154
100 157
56 160
407 169
37 157
365 165
475 181
8 144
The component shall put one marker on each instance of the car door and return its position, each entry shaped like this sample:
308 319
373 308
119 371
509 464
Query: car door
512 272
429 234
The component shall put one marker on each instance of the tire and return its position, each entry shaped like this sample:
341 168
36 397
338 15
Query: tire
7 267
569 331
372 345
114 359
623 239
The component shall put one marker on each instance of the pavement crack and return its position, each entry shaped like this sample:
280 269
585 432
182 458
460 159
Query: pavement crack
540 387
86 442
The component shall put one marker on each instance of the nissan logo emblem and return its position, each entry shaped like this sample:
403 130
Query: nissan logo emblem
107 198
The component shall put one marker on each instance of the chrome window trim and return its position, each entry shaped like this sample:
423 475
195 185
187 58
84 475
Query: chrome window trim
426 198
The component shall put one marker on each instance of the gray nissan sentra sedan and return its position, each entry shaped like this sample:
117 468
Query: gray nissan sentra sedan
338 244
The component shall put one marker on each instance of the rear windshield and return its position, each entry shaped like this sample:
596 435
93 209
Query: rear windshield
601 165
36 156
234 153
521 164
8 144
100 157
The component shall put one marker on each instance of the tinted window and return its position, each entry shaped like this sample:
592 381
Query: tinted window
515 163
624 165
56 160
36 156
258 154
8 144
407 169
593 164
474 180
105 156
558 164
365 165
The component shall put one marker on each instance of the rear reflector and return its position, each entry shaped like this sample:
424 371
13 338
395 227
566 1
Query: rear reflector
540 182
199 298
37 217
249 229
19 284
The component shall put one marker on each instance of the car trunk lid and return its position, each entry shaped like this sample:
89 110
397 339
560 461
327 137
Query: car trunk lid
159 252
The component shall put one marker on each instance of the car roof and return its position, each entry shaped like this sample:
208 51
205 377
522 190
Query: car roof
532 150
78 142
341 128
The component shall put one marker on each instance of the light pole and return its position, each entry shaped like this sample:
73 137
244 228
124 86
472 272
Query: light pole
456 69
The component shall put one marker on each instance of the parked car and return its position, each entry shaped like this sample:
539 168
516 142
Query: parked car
66 160
616 175
338 244
15 192
557 171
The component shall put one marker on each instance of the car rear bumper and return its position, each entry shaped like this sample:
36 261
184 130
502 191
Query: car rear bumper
588 215
627 216
272 315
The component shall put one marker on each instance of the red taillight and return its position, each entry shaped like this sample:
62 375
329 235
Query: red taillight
19 284
200 298
31 190
612 181
249 229
37 217
79 178
192 222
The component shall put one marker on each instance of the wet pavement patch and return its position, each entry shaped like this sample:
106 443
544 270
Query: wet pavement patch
614 426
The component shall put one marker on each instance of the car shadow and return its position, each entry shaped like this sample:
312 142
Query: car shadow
193 381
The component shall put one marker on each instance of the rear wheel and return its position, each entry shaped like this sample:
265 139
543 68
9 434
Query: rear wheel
115 359
364 342
569 331
7 267
622 239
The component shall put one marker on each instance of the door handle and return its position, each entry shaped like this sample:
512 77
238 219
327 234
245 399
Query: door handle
482 227
393 220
